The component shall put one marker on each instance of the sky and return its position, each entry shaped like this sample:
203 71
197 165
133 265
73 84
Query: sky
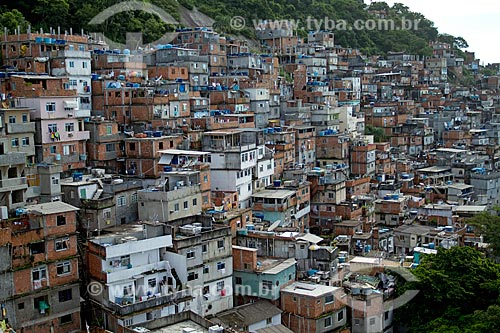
478 22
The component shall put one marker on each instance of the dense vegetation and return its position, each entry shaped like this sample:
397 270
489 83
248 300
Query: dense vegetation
77 13
459 292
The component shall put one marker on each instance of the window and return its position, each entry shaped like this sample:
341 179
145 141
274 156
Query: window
41 303
266 284
53 149
152 283
39 273
26 141
329 299
63 268
221 265
356 322
66 319
328 321
206 269
269 321
190 254
52 128
121 201
205 178
106 214
69 127
204 248
133 198
195 202
55 180
220 285
84 64
50 106
127 290
192 276
131 146
110 147
109 130
372 321
125 261
220 244
238 280
340 316
71 64
65 295
186 205
62 244
176 207
36 248
15 142
25 118
61 220
12 119
20 306
66 150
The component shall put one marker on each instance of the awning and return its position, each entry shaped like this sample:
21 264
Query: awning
71 104
165 159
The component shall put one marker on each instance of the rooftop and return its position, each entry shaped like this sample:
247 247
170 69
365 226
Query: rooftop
248 314
308 289
179 327
274 194
49 208
274 266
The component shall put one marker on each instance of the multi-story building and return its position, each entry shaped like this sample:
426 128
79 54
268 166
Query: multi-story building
40 281
260 278
362 159
184 188
105 148
313 307
60 133
137 280
17 150
203 249
234 155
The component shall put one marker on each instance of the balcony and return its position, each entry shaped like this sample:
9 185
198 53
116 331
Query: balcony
12 159
20 128
74 136
155 301
13 184
82 113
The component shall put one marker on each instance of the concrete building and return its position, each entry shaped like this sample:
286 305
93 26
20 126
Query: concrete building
260 278
184 187
233 155
138 280
40 276
313 308
17 152
204 249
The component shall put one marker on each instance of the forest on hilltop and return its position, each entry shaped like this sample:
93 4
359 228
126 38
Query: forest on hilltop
76 14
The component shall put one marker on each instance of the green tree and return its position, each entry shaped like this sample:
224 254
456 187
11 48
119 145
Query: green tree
377 132
13 19
453 283
488 225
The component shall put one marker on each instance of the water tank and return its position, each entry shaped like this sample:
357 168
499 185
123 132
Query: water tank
157 134
250 227
126 51
432 246
77 177
167 168
277 183
57 157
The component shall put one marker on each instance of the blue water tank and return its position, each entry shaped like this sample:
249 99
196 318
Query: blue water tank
167 168
77 176
126 51
277 183
157 134
432 246
121 77
250 227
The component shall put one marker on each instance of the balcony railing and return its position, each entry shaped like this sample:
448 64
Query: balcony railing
12 159
8 184
21 128
154 301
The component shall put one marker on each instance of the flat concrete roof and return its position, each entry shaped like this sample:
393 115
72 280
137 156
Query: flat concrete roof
51 208
177 328
182 152
309 289
435 169
275 194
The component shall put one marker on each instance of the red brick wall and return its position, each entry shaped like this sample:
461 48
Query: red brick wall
242 257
